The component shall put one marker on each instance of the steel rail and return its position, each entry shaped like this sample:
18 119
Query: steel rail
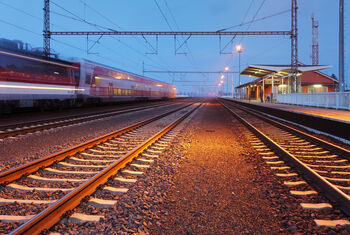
16 173
334 127
23 124
81 118
330 146
51 215
334 194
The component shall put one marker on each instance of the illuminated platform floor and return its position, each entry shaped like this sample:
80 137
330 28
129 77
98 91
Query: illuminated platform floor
342 115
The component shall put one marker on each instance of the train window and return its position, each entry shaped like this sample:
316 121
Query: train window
56 70
88 78
97 81
77 76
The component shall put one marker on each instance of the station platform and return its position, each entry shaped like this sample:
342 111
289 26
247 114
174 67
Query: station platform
338 115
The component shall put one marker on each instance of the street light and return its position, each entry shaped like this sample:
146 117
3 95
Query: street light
227 68
239 49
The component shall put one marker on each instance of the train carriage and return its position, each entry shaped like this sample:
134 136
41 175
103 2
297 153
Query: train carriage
27 79
102 83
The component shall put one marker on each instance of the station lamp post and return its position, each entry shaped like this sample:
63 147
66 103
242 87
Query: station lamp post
222 80
239 49
220 83
226 71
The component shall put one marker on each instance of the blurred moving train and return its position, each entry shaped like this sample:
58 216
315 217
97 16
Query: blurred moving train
27 79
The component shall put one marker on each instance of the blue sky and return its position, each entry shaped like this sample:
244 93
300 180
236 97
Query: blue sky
22 19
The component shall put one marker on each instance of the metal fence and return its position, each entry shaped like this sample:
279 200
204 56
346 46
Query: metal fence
336 100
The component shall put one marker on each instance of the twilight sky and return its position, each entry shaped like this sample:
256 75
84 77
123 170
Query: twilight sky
22 19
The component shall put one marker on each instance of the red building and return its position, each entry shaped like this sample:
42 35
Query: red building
275 79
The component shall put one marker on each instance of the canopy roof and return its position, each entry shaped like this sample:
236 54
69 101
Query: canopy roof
280 70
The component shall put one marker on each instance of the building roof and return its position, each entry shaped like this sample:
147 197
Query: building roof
260 70
313 77
256 81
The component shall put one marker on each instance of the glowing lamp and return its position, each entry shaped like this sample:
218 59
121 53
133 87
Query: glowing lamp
239 48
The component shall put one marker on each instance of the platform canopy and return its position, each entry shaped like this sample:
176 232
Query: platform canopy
279 70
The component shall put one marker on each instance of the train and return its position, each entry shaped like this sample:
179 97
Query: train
28 79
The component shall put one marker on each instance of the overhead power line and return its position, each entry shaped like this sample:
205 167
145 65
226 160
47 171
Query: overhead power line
178 29
125 44
40 35
253 19
256 20
164 17
79 19
246 13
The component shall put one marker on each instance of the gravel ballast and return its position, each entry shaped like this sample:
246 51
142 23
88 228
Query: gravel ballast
18 150
215 190
210 180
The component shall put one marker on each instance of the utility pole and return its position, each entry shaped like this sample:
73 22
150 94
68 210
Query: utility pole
315 57
341 46
295 80
46 30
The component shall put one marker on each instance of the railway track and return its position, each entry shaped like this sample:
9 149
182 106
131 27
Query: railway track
323 165
30 127
39 193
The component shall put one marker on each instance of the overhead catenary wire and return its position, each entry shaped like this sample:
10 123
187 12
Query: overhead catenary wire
229 61
167 22
249 23
55 40
111 22
37 34
248 9
108 20
253 19
164 17
256 20
178 28
125 44
99 27
78 18
165 6
171 28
